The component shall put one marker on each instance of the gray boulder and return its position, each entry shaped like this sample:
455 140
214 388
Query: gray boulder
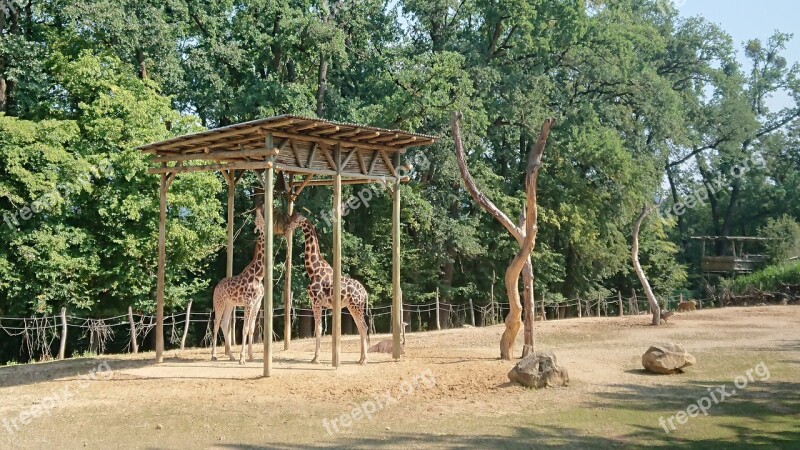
667 358
538 370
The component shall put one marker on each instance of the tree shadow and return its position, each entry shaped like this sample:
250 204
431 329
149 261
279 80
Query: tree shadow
545 437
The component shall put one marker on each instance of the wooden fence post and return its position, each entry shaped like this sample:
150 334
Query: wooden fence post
186 325
580 307
471 313
598 305
438 323
134 344
63 347
619 298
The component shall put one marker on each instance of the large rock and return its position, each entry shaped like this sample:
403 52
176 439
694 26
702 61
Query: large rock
667 358
539 370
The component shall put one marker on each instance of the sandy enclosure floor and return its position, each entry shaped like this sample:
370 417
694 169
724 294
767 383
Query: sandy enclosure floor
449 390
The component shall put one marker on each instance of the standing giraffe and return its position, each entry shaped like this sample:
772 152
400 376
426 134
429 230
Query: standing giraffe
320 287
245 289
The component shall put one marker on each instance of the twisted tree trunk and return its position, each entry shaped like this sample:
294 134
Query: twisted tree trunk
525 234
648 291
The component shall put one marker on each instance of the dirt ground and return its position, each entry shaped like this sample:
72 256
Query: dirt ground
449 391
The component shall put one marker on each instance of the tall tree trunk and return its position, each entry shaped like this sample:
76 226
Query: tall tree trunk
528 304
526 237
322 84
648 291
675 200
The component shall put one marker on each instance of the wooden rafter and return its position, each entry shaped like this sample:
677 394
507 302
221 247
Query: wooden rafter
310 164
372 164
361 162
388 163
326 153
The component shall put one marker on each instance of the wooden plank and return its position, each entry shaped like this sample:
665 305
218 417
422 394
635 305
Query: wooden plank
366 135
397 295
337 269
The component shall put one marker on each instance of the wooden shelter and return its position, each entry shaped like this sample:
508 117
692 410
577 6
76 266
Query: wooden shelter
738 262
303 152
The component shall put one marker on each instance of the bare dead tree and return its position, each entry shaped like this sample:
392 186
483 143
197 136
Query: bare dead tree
648 291
525 234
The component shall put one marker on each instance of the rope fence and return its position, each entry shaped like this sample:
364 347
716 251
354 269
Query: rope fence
38 334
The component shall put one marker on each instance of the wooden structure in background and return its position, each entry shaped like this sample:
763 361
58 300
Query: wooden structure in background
303 152
738 262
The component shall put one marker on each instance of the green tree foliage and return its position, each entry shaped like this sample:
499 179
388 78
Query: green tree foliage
643 99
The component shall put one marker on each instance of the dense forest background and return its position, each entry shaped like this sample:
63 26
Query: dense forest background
649 106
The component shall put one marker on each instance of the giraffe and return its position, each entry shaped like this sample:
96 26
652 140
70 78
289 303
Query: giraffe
245 289
320 287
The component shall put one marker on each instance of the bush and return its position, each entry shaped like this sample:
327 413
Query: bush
768 279
784 235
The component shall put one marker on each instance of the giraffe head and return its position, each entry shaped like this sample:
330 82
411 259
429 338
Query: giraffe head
295 221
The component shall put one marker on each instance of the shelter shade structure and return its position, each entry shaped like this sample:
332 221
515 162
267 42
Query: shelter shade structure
299 152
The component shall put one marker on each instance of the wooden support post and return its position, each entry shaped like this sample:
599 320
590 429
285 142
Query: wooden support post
287 284
186 325
134 343
438 324
619 299
230 177
337 262
471 313
63 347
166 180
397 293
580 307
269 257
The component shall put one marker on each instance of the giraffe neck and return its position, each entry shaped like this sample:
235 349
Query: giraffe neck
314 262
255 270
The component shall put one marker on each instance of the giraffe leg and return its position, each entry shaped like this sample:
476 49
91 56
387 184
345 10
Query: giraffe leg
248 311
218 311
317 331
226 321
253 318
357 312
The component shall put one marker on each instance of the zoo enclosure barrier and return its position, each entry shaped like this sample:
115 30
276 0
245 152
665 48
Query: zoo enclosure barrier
38 334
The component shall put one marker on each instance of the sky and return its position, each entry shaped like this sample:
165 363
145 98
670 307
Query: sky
749 19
